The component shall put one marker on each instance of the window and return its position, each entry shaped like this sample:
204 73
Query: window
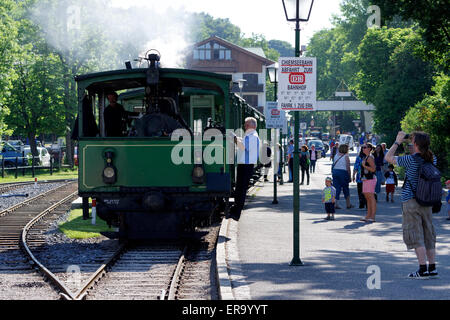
212 50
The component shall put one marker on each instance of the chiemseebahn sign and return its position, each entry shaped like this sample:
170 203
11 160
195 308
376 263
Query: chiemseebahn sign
297 83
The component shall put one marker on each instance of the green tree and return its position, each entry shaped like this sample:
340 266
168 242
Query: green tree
205 26
433 19
432 115
8 51
391 75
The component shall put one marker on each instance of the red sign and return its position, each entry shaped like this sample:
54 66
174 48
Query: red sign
297 78
275 112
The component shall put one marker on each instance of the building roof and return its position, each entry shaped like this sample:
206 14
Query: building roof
257 53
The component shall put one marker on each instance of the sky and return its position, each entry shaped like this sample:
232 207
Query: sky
251 16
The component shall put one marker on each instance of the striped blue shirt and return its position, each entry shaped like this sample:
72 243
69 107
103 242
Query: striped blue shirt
250 154
411 166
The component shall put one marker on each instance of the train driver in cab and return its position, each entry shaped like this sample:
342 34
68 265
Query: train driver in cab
115 117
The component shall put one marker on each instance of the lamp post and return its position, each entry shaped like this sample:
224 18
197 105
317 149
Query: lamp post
297 10
241 85
272 71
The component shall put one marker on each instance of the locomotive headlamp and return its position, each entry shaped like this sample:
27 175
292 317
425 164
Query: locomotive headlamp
109 172
198 174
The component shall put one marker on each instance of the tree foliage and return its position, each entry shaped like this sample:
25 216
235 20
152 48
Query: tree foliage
432 115
391 75
433 19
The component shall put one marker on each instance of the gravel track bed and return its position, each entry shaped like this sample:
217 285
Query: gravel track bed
73 260
140 274
198 280
30 189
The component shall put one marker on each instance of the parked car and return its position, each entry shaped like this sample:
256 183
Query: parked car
17 144
44 155
348 140
9 154
318 144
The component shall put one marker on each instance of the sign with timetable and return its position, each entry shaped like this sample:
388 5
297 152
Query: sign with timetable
297 83
275 117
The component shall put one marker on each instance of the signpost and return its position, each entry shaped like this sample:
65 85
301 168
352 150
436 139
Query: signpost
297 92
275 119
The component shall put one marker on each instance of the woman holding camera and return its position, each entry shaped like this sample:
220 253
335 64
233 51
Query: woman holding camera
369 180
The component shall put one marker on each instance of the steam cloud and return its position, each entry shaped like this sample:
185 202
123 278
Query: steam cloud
83 30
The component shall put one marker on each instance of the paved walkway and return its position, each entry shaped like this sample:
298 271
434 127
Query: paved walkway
343 259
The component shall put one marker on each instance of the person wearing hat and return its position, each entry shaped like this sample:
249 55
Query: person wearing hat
329 198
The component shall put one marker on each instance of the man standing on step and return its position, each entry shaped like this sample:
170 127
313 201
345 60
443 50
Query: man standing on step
247 157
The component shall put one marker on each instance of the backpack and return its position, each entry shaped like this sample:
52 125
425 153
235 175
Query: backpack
429 188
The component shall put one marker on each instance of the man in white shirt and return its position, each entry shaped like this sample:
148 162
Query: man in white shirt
247 155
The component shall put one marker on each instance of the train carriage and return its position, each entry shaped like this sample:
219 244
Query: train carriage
146 181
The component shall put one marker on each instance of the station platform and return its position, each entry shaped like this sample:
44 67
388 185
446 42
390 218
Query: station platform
342 259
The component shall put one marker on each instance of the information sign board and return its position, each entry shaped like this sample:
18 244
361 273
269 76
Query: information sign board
297 83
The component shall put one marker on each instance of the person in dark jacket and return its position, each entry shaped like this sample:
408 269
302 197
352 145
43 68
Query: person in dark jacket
115 117
313 156
379 159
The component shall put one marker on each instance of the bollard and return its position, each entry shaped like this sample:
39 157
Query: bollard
94 211
35 182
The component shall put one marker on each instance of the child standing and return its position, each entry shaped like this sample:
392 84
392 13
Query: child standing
391 182
329 198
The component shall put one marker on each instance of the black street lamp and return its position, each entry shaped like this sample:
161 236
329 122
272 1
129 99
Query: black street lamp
297 10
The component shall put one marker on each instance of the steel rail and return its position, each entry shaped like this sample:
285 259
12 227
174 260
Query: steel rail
65 291
177 276
98 274
17 206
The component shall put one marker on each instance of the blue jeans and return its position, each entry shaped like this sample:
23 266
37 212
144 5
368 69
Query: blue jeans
341 180
379 175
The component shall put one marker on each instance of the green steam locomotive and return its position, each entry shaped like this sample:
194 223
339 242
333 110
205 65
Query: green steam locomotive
148 180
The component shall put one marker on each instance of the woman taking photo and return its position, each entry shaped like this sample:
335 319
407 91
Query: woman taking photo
369 179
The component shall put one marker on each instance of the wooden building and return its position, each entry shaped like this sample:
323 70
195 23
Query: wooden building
218 55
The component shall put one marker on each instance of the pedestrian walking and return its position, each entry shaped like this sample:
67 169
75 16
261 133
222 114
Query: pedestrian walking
385 163
369 180
291 160
268 165
379 158
341 173
334 151
304 163
418 230
357 178
247 153
280 157
329 198
447 199
391 182
313 156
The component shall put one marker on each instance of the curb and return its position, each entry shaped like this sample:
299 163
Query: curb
225 289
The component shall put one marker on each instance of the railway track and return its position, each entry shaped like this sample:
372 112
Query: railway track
157 272
129 271
18 278
5 187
